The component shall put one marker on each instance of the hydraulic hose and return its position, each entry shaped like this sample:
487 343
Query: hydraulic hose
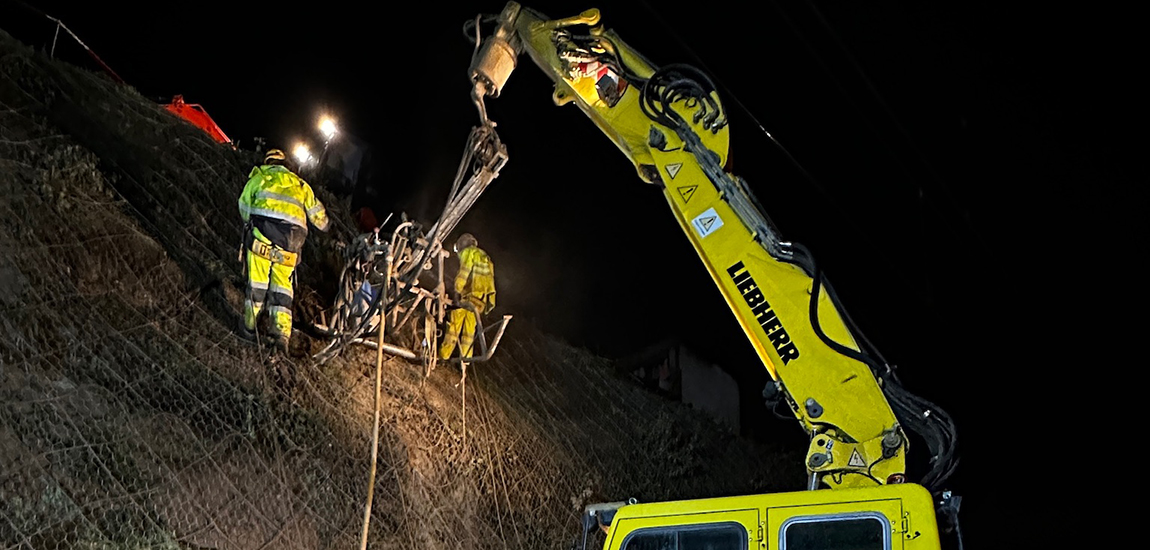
920 416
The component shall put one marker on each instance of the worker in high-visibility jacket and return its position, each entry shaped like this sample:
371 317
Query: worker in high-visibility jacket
276 206
475 291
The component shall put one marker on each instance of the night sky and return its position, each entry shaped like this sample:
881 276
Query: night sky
942 163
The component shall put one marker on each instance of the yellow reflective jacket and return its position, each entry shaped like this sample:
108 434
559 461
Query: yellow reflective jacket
476 277
275 192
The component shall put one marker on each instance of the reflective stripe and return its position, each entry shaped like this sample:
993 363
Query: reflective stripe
280 309
258 285
279 197
245 209
476 274
318 216
294 220
286 291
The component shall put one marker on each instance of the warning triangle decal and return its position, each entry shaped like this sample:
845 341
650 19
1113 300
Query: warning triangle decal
707 223
673 169
856 460
688 191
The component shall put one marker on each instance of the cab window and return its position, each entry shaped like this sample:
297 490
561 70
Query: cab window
715 536
844 532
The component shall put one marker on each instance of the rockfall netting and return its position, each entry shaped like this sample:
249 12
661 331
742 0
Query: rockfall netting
131 415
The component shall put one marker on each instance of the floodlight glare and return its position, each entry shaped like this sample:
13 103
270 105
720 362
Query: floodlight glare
302 153
327 126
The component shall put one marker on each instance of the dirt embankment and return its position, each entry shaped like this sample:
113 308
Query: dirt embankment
131 416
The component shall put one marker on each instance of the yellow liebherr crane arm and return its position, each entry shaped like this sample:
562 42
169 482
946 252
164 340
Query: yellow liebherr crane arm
670 122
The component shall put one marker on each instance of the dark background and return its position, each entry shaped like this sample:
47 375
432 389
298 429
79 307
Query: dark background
957 168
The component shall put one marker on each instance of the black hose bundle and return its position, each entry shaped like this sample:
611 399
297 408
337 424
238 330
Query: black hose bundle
679 82
916 414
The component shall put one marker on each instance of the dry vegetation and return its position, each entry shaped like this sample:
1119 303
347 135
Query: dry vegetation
132 417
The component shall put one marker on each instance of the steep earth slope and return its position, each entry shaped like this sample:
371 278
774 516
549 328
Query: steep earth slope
132 417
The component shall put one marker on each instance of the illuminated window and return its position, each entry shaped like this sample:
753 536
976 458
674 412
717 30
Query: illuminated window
841 532
712 536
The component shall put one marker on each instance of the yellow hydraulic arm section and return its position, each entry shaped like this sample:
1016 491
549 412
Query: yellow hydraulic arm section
670 123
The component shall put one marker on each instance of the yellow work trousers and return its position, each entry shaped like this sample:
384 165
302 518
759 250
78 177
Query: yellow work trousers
461 324
269 284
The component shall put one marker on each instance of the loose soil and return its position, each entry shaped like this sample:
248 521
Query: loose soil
131 415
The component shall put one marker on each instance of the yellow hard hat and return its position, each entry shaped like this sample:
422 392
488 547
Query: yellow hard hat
274 154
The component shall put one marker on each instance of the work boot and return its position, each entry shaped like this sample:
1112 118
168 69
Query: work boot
246 334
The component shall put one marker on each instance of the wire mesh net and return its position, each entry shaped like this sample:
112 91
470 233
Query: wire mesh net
132 416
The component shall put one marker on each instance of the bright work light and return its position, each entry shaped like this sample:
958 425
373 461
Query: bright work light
327 126
302 153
